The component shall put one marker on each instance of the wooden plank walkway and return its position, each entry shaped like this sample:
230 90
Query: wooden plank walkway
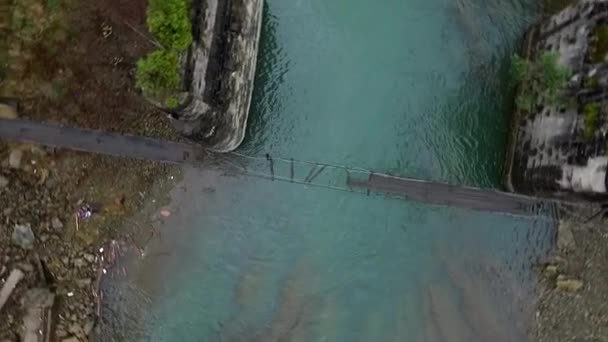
114 144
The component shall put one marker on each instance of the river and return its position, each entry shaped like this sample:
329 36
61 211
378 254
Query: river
418 88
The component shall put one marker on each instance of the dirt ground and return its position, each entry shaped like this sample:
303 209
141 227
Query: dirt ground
71 62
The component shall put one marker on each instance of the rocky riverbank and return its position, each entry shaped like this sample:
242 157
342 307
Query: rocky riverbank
63 214
572 302
558 149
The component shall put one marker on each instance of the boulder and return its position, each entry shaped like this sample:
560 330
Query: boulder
14 159
23 236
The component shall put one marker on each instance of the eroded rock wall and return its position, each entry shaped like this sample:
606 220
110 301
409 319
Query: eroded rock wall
219 72
559 149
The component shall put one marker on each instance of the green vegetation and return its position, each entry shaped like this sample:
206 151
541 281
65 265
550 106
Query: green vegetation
544 77
599 47
169 22
591 112
158 73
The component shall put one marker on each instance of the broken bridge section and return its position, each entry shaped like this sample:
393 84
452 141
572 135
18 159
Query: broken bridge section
335 177
367 182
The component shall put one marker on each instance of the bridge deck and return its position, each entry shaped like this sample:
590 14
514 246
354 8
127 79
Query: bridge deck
449 195
172 152
95 141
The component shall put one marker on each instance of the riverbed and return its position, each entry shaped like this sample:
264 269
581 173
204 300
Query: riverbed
411 87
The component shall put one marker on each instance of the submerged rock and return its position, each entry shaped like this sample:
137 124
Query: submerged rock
23 236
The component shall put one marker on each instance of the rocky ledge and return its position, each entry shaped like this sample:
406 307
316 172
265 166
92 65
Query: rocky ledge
219 72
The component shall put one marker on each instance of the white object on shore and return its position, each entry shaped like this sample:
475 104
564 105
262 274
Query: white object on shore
13 279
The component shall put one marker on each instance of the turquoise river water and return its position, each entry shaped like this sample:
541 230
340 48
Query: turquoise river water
412 87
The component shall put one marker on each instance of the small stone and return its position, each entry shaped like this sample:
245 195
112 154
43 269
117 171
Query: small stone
565 237
88 327
71 339
3 182
61 333
23 236
569 285
76 330
25 267
82 283
79 262
56 223
90 258
65 260
14 159
551 271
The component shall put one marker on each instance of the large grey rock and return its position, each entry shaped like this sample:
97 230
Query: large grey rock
14 159
23 236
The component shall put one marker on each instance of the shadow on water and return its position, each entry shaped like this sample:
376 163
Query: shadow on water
270 72
479 110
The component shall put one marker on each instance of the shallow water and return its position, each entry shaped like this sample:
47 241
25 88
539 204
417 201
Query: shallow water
416 88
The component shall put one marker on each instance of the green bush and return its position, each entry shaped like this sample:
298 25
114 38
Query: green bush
591 112
543 77
169 22
158 73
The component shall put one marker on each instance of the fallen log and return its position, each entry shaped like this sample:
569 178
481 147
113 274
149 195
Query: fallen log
13 279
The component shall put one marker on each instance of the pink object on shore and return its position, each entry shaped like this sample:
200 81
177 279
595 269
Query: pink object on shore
165 213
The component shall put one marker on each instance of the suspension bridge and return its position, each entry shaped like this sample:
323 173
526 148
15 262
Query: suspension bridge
335 177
